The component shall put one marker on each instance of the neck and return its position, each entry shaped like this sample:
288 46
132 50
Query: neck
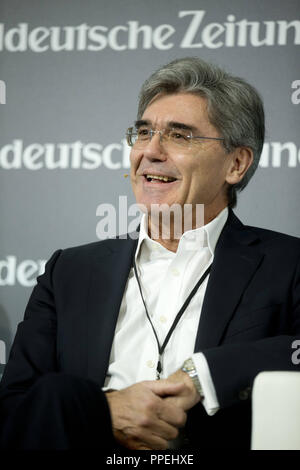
168 233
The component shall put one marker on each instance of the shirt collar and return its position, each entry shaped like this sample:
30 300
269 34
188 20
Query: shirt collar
214 229
208 235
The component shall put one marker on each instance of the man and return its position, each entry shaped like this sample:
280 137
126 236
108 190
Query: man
205 312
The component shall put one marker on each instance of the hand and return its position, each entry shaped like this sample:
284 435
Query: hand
188 396
142 418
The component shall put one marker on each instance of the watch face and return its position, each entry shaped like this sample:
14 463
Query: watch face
189 365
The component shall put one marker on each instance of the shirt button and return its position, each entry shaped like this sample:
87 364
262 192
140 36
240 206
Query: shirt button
150 364
162 319
175 272
245 394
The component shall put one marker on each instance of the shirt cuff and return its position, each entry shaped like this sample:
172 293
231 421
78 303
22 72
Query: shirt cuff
210 401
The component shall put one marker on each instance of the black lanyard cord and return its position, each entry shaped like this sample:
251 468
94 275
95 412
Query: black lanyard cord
178 316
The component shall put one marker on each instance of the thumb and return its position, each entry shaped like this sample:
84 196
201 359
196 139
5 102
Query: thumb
165 387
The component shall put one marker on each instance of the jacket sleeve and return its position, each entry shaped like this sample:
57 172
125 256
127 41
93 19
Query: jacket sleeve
233 367
33 352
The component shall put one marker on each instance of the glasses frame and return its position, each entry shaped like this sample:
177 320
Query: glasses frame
133 130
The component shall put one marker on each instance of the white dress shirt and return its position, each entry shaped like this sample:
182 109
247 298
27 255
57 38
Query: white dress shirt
166 280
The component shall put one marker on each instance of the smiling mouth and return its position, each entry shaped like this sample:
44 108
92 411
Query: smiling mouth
159 179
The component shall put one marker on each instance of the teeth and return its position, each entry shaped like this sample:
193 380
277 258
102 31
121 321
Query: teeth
161 178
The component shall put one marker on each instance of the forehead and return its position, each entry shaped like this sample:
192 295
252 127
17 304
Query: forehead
186 108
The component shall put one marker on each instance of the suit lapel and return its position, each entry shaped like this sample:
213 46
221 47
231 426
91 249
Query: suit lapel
108 281
237 258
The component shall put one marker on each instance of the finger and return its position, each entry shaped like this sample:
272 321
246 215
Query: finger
165 430
164 387
149 441
147 428
172 412
155 443
149 425
145 440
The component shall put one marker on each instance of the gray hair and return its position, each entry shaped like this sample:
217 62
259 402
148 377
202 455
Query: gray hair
235 107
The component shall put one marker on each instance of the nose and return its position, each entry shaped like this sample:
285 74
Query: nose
155 150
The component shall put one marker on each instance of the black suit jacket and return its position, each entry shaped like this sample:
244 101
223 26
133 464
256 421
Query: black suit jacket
249 319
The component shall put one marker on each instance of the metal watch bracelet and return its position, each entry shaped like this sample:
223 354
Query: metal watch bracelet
189 367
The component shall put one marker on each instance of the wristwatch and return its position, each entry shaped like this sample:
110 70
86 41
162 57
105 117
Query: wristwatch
190 369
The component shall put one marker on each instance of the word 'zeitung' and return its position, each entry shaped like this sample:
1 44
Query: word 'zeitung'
132 35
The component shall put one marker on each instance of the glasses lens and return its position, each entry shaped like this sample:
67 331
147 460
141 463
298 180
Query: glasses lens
131 136
138 137
180 137
171 138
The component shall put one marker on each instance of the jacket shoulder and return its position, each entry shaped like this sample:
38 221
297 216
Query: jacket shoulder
270 239
282 247
86 249
99 248
273 236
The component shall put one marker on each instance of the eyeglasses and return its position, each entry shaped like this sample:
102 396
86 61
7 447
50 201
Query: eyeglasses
172 138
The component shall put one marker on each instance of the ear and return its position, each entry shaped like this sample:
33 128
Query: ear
241 160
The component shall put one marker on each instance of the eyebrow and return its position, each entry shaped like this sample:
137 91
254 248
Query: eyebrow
170 124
